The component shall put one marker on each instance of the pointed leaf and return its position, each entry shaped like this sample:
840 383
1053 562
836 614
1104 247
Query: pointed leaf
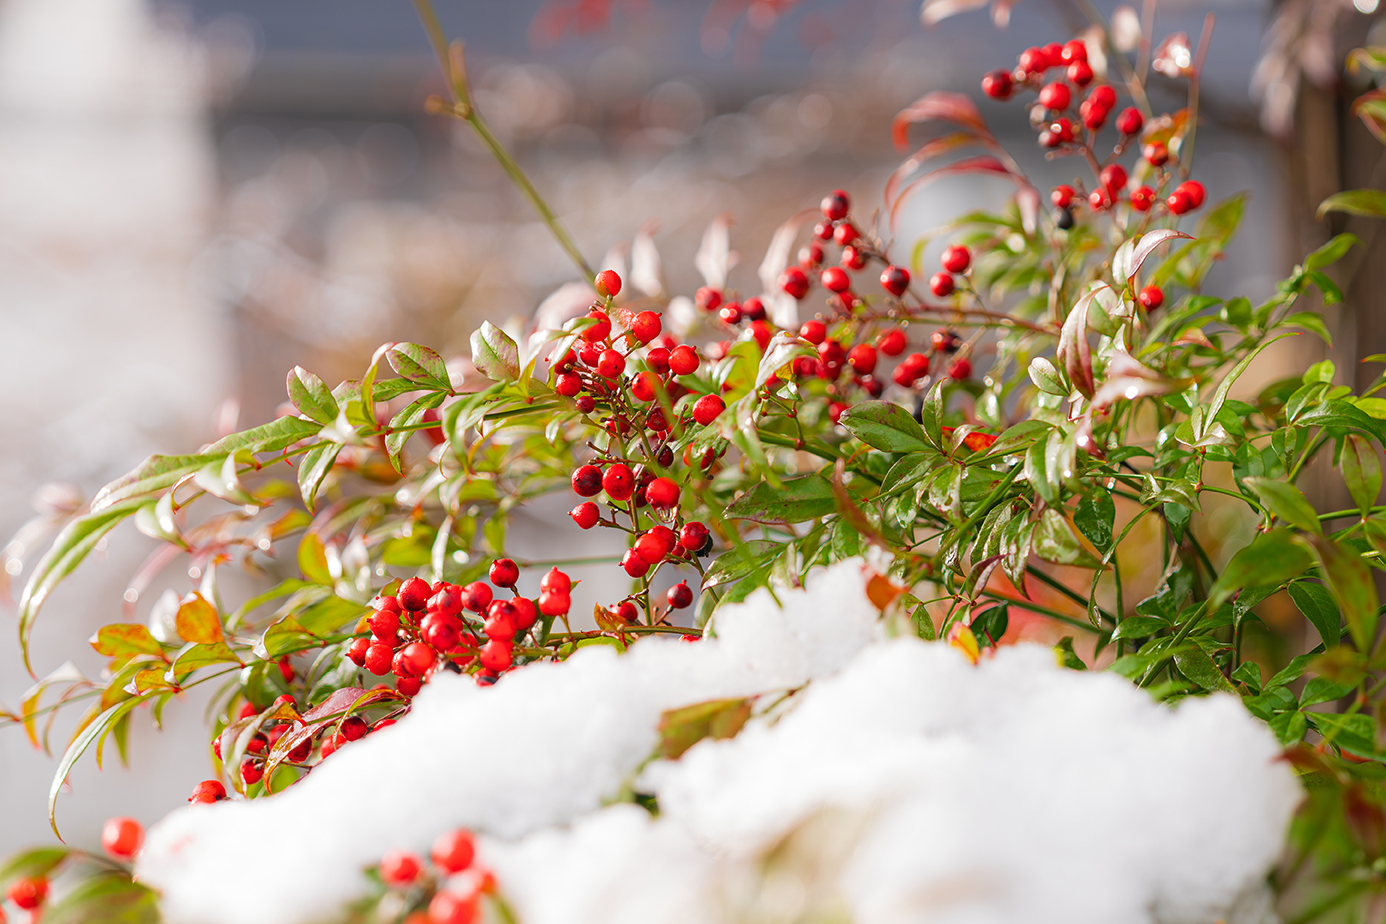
1271 559
197 620
1285 501
1350 579
494 354
311 396
1317 604
422 366
1362 471
885 426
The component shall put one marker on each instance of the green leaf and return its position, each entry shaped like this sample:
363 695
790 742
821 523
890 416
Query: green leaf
1194 663
1220 395
69 549
1362 471
422 366
805 498
39 861
885 426
312 559
739 562
197 620
1137 627
313 470
1046 377
108 897
1370 203
1350 579
680 729
1055 541
311 396
1096 517
1331 252
494 354
1316 603
1271 559
194 656
89 735
125 639
1310 322
1285 501
1066 656
403 423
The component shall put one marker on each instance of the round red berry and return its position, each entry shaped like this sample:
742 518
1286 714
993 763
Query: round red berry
599 330
356 651
1074 50
1142 198
440 631
1080 73
693 536
708 298
414 594
1033 61
568 384
957 259
553 603
707 409
497 655
447 601
1130 121
835 279
683 360
1102 96
626 612
960 368
500 622
1055 96
645 326
910 370
251 772
634 564
556 581
618 482
814 332
1194 190
845 234
504 572
585 514
28 893
354 728
1098 200
836 204
610 364
476 596
862 358
378 658
587 480
1156 153
384 626
1061 195
895 280
892 342
730 313
1178 201
652 547
853 258
644 386
1113 178
998 84
680 596
941 284
810 255
408 686
658 360
608 283
662 493
1151 297
414 658
122 837
400 868
450 908
454 851
208 791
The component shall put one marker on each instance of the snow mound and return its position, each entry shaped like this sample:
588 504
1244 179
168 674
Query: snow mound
903 784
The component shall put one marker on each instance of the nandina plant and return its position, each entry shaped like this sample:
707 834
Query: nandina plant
1032 427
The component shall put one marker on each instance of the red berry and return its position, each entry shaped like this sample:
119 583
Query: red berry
1194 190
835 279
626 612
814 332
454 851
762 333
568 385
385 626
730 313
589 353
662 493
413 659
680 596
957 259
1080 73
823 231
862 358
552 603
1130 121
1151 297
440 631
251 772
854 258
998 85
1103 97
895 280
683 360
1098 200
608 283
408 686
29 893
1055 96
645 326
835 411
501 623
693 536
658 360
587 480
388 603
1113 179
378 658
1061 195
910 370
1033 61
556 581
400 868
810 255
610 364
960 369
835 205
1179 201
941 284
476 596
1156 153
645 386
598 331
414 594
1074 50
1142 198
845 234
446 602
892 342
497 655
504 572
526 615
618 482
707 409
708 298
1063 129
450 908
652 547
585 514
356 651
354 728
208 791
1094 117
634 564
1054 54
122 837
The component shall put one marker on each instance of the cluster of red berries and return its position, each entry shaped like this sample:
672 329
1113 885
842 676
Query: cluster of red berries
453 855
1059 128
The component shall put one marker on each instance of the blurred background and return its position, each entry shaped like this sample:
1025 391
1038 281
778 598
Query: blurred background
195 197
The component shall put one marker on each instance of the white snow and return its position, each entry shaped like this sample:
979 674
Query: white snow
902 784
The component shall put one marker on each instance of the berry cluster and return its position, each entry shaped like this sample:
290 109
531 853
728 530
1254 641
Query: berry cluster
453 858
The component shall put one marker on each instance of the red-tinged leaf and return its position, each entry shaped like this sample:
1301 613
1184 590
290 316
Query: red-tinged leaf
777 255
939 105
311 395
1370 107
1131 254
715 258
1350 580
197 620
928 152
124 639
982 163
1074 352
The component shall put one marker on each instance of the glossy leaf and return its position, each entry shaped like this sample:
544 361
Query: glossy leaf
313 470
885 426
423 366
197 620
1271 559
1194 663
494 354
1285 501
1351 581
1370 203
800 499
1361 467
1134 252
1318 606
311 396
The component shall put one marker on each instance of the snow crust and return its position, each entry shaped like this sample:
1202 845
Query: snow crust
902 784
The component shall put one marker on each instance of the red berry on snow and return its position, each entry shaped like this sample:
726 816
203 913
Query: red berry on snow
608 283
892 342
1151 297
618 482
208 791
122 837
585 514
683 360
399 868
408 686
895 280
707 409
454 851
941 284
957 259
587 480
662 493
